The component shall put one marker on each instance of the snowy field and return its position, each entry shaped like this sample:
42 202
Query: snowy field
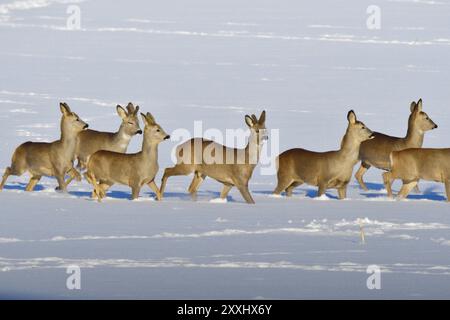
305 62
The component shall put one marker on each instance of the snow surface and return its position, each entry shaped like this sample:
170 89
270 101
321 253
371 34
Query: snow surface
307 63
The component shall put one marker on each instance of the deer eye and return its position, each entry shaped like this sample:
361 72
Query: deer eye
158 130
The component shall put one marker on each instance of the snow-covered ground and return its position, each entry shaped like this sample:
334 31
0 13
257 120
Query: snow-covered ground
305 62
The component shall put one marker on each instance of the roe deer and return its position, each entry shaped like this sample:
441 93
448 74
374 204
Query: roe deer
326 170
411 165
49 159
90 141
230 166
106 168
376 152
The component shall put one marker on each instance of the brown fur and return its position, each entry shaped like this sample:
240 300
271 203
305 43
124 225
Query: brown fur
106 168
49 159
90 141
237 171
376 152
325 170
411 165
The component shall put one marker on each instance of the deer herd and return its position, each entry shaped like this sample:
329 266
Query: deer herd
103 157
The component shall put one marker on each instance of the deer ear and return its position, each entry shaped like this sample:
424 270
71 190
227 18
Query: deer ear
413 106
136 110
144 118
419 105
351 117
121 112
65 110
150 118
249 121
262 117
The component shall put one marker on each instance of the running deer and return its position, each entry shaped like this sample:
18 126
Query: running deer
49 159
411 165
325 170
90 141
376 152
106 168
230 166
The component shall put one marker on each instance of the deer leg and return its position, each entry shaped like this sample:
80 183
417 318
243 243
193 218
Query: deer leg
103 187
416 188
283 183
7 173
193 182
388 180
406 189
164 181
243 189
82 163
322 189
195 185
135 190
79 163
155 189
447 189
32 184
178 170
61 182
93 181
196 181
100 189
360 174
74 174
14 170
291 188
342 192
68 181
225 191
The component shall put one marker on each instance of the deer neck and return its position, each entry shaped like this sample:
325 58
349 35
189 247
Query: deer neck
253 150
149 150
350 148
414 136
68 138
121 137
